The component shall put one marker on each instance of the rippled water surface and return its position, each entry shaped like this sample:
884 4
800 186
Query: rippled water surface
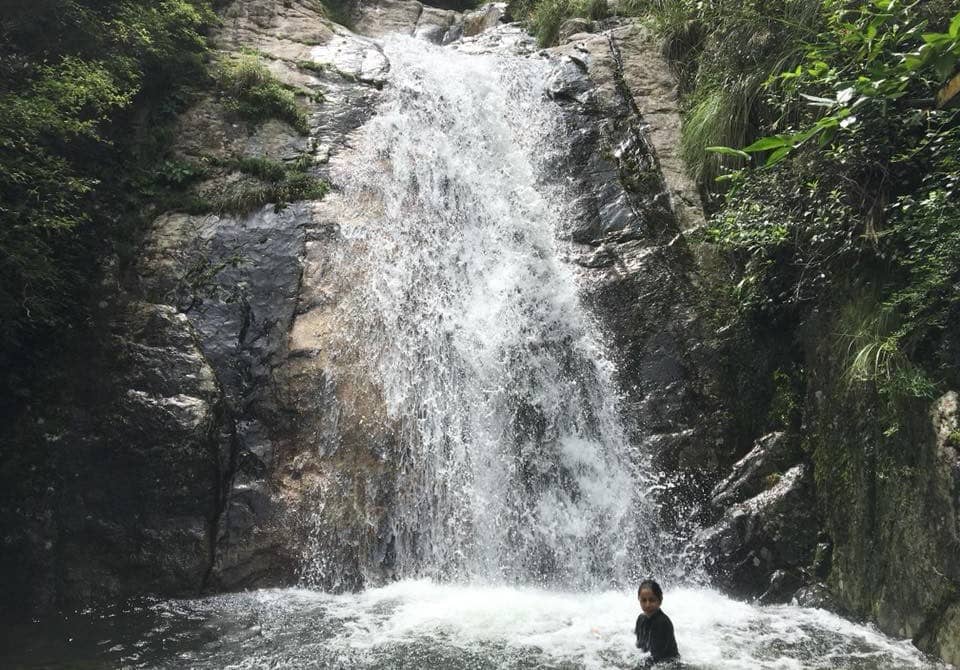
421 624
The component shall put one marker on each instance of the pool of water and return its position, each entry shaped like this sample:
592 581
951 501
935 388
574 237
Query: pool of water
422 624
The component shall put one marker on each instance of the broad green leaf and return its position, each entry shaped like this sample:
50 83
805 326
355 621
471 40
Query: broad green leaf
913 62
936 38
944 65
774 142
831 121
954 29
778 156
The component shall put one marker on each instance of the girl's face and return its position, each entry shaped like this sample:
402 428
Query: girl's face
648 601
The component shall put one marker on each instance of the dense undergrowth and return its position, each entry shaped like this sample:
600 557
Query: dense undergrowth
831 172
545 17
90 93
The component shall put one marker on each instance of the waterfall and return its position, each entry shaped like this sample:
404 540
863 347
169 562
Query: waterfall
512 459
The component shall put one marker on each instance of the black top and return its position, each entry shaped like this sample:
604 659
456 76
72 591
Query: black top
655 634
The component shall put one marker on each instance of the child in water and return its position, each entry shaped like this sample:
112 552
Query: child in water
654 630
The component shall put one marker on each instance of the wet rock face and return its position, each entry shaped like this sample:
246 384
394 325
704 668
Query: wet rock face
772 455
162 428
170 453
888 500
625 235
487 17
437 22
224 415
137 454
762 543
253 313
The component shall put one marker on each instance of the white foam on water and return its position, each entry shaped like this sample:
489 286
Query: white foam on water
530 627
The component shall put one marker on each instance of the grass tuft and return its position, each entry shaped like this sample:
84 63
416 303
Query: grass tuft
258 95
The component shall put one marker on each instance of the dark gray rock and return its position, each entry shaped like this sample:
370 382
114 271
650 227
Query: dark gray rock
818 595
137 512
637 273
760 545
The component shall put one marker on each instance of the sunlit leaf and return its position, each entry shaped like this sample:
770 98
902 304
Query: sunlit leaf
778 155
767 143
729 151
817 101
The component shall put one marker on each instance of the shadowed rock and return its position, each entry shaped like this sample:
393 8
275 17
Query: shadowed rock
760 545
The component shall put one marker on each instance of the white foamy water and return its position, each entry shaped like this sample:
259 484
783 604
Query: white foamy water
594 630
422 624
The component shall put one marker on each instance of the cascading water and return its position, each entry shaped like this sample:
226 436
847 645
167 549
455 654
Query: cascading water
512 460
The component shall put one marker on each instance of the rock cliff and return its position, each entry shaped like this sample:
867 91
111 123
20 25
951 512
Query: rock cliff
218 419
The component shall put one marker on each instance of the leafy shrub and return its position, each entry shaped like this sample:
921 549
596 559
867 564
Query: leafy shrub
856 192
724 54
258 95
266 181
85 90
596 10
546 17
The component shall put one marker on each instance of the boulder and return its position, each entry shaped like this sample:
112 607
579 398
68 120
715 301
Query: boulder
819 595
771 455
760 545
434 24
483 19
383 17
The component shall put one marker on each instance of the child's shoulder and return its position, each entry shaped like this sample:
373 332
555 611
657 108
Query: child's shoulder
662 619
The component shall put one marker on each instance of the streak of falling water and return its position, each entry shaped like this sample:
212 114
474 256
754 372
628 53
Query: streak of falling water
514 463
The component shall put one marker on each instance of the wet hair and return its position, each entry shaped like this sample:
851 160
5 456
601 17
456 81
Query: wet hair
653 586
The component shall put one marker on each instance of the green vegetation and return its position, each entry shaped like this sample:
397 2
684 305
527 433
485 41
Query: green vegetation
88 93
786 403
256 95
545 17
89 97
855 187
202 187
272 182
